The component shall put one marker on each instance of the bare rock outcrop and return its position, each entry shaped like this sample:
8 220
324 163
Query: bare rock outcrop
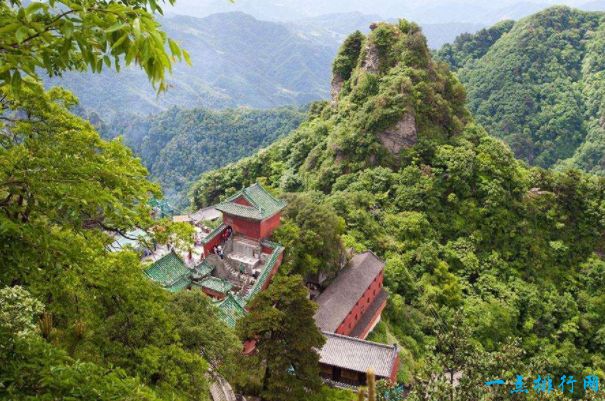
337 84
371 61
400 136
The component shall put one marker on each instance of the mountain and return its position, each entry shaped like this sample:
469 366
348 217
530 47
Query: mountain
422 11
178 145
236 61
334 28
479 247
538 84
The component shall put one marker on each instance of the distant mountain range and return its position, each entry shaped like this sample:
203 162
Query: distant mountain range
237 60
421 11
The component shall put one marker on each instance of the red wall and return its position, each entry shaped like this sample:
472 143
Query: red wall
249 228
252 228
364 334
212 293
216 240
242 201
360 307
269 225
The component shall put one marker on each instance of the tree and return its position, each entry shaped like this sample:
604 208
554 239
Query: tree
311 235
64 35
281 322
33 369
200 330
64 194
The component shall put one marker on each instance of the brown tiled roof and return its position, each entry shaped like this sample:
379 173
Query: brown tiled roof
342 295
358 355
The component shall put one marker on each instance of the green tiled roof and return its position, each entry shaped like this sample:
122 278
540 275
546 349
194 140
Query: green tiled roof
204 268
179 285
264 275
263 204
216 284
230 309
170 272
213 233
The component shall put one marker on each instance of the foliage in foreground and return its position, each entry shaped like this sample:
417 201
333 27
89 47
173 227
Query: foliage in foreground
285 364
76 321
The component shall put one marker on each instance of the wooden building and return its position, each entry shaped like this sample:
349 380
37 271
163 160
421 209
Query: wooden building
346 360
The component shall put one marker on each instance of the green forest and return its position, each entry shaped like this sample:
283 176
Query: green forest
538 84
76 321
493 267
178 145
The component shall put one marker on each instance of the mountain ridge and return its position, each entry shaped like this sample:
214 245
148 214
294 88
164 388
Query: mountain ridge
536 84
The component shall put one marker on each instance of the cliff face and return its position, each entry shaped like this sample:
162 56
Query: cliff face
387 94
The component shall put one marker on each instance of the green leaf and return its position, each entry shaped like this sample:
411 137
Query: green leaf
186 57
21 34
116 27
174 48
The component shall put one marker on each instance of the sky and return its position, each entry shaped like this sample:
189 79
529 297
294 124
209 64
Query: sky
422 11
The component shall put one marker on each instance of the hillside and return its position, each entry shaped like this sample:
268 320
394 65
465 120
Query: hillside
474 240
178 145
537 84
236 61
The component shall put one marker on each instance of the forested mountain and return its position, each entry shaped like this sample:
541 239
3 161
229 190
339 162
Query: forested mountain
538 84
480 248
236 60
178 145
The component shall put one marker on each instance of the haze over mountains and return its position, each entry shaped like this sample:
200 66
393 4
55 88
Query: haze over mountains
238 60
420 11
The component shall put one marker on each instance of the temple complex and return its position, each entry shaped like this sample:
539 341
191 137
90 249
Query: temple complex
233 262
236 260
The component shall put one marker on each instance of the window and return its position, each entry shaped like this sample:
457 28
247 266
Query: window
356 316
368 299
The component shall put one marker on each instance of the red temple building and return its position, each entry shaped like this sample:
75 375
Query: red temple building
252 212
353 303
349 309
